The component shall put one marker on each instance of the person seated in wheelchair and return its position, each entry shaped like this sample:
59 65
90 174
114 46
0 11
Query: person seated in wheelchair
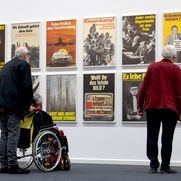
41 119
37 120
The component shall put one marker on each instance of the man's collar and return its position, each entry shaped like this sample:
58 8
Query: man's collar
166 60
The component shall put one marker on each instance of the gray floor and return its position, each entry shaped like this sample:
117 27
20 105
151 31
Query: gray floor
95 172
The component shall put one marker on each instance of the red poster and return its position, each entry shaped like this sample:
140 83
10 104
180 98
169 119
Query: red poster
61 43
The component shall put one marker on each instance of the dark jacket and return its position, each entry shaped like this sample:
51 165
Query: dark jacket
16 90
161 87
41 120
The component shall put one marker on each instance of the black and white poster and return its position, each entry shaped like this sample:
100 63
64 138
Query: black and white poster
138 39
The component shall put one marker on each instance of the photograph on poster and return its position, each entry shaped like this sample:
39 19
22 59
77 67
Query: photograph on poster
99 41
36 84
61 97
61 43
99 97
131 84
28 35
172 32
2 45
138 39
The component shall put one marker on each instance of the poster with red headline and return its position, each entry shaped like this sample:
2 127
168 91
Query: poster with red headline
99 41
61 43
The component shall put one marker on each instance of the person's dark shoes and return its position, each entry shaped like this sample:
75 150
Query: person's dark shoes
153 170
4 170
167 171
14 169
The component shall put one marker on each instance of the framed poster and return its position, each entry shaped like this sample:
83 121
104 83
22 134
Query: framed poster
61 97
138 39
172 32
61 43
131 84
2 45
28 35
99 41
99 97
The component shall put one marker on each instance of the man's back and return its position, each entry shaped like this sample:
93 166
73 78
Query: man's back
15 86
162 84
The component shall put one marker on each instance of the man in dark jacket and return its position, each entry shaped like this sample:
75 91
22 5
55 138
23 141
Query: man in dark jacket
160 96
16 95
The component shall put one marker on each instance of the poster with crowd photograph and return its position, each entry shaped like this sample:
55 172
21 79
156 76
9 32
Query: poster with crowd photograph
36 84
99 41
172 32
2 45
138 39
61 43
99 97
131 84
61 97
28 35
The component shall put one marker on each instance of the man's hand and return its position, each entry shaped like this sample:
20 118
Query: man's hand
140 111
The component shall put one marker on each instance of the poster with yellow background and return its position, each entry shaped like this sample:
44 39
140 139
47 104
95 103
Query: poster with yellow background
2 45
172 32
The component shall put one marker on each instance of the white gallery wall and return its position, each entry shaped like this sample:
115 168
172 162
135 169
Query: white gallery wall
115 142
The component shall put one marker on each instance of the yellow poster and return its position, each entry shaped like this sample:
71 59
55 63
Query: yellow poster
172 32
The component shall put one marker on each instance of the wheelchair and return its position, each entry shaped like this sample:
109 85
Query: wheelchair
48 150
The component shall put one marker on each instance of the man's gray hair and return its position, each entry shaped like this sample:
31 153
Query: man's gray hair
20 51
169 52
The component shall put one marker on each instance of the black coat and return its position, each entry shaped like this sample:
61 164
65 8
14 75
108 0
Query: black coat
16 90
41 120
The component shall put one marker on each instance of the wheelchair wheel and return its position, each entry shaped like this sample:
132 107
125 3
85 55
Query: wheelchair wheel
46 151
67 163
24 157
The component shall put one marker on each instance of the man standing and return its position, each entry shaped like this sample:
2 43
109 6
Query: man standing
16 95
160 96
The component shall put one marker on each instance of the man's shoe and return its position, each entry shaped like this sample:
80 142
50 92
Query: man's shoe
14 169
4 170
153 170
167 171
